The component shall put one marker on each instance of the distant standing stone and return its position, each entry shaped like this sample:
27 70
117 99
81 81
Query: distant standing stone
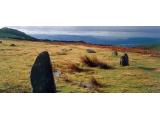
124 60
115 53
42 79
0 42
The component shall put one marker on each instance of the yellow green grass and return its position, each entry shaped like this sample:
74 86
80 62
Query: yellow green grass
143 74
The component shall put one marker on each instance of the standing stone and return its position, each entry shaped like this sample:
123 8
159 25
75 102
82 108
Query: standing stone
115 53
42 79
124 60
0 42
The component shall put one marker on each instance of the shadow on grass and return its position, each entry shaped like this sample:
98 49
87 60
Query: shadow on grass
146 68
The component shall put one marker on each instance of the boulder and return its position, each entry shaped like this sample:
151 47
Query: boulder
42 79
13 45
124 60
90 51
57 73
85 85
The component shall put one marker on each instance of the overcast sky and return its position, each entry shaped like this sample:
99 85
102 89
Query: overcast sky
107 31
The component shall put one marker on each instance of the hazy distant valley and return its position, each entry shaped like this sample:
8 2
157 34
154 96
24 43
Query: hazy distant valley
102 40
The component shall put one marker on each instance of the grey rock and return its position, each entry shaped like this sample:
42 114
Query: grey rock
85 85
57 73
90 51
42 79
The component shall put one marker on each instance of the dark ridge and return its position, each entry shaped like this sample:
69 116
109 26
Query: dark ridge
8 33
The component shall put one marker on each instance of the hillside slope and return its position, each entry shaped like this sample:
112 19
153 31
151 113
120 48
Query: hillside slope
14 34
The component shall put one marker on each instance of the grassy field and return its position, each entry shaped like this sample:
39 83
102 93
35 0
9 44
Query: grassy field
143 74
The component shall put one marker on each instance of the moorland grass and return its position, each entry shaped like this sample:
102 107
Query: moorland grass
16 62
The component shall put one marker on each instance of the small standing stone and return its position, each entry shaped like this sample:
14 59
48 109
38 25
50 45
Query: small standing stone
42 79
115 53
0 42
124 60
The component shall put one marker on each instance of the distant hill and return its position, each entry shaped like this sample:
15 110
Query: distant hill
14 34
154 47
102 40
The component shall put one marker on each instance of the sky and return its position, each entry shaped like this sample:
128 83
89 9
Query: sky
104 31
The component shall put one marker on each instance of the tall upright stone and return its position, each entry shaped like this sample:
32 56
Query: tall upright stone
124 60
42 79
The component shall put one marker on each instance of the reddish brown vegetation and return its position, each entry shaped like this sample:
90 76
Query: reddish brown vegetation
95 83
75 68
94 62
117 48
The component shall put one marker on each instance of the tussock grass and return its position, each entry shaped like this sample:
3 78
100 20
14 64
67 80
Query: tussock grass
104 65
16 63
95 83
89 61
13 45
75 68
94 62
66 79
